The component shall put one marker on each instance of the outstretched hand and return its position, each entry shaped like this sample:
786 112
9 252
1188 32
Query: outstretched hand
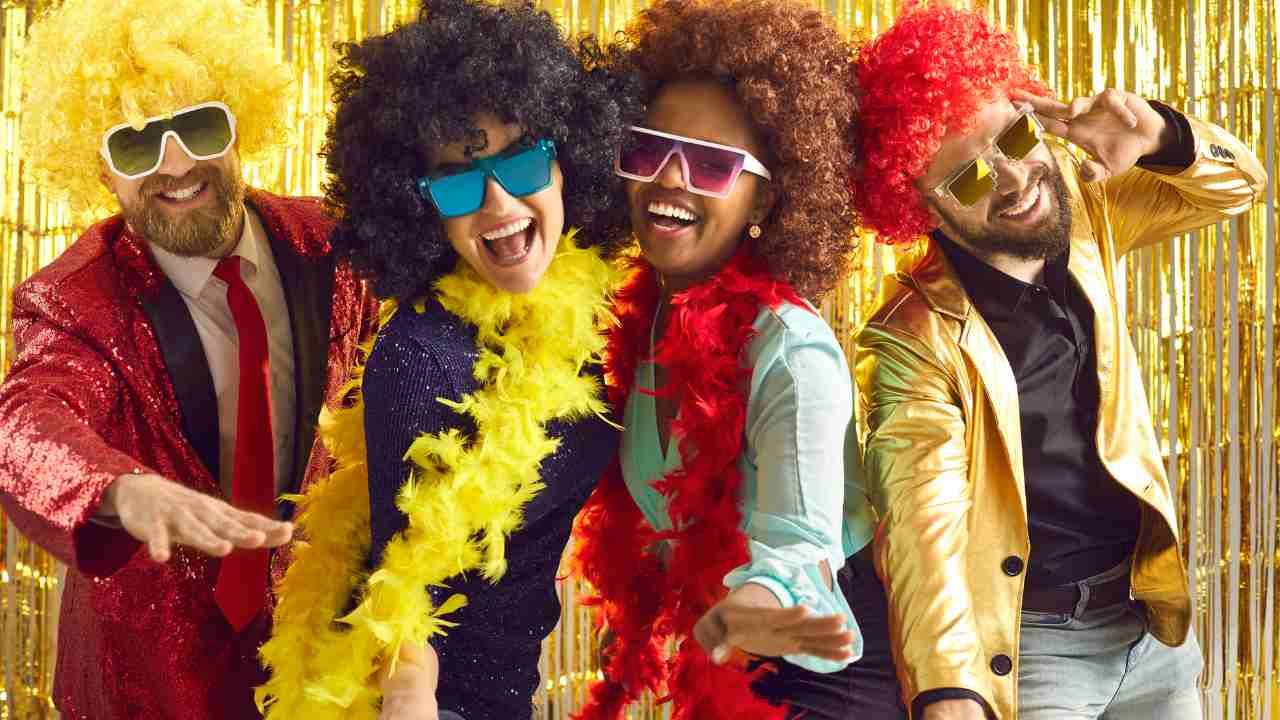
1114 127
748 619
161 513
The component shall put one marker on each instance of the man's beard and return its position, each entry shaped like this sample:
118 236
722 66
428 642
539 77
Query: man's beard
1045 241
197 232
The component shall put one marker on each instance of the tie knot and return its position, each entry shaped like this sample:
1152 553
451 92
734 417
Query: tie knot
228 270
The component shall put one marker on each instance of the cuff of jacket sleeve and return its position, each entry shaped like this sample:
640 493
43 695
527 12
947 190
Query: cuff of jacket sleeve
775 586
1177 155
100 544
928 697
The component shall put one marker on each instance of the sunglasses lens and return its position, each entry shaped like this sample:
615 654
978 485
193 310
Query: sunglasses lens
205 131
643 154
526 172
460 194
1020 139
134 152
712 170
972 183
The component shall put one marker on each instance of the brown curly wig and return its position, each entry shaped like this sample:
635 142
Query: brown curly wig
792 72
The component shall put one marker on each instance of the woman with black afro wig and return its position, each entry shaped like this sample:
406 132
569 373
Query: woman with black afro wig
472 156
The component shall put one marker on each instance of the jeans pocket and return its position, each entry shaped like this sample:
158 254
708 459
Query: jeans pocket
1043 619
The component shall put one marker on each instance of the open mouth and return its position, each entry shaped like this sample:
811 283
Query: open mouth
1027 206
510 244
671 218
185 196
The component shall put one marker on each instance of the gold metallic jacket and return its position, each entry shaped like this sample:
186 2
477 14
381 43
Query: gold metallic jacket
943 451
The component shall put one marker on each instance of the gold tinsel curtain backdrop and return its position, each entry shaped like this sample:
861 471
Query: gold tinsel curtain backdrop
1202 308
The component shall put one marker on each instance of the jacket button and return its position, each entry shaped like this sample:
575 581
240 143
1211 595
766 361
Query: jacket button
1001 665
1012 566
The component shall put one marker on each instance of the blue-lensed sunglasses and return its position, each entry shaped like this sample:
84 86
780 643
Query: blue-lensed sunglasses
462 193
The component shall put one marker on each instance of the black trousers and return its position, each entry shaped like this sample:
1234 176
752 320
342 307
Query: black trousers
865 690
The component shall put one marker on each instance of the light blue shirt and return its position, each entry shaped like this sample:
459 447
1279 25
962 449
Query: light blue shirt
795 507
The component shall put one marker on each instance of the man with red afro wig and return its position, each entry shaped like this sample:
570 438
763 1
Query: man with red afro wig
1028 535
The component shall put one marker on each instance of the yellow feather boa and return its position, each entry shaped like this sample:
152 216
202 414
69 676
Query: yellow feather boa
463 497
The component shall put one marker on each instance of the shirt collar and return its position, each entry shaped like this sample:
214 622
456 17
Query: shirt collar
190 275
995 293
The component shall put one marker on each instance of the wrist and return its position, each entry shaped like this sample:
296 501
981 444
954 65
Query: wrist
116 494
775 592
1166 138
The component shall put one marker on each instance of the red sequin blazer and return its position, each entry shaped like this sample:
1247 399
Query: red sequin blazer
110 376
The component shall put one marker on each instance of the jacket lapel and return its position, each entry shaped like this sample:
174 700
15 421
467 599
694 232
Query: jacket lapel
981 346
936 280
308 291
183 354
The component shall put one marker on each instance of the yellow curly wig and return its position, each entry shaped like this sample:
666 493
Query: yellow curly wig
92 64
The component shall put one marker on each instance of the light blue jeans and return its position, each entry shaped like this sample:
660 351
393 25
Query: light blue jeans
1104 665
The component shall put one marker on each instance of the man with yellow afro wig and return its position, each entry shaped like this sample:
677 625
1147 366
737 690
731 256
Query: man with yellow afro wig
171 364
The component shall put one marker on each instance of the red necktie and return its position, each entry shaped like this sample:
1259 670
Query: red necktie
242 582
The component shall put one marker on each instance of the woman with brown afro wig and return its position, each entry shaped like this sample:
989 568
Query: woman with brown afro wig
724 524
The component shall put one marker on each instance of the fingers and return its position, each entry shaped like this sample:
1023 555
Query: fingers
1053 126
811 624
409 692
400 708
1051 109
709 631
158 541
1051 113
1114 101
160 512
267 532
230 528
279 534
837 646
1045 106
193 532
780 631
1078 107
746 620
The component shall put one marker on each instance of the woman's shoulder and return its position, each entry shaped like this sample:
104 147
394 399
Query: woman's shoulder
423 328
790 325
422 342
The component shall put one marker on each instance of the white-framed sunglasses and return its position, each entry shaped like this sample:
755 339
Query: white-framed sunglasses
709 168
205 132
978 177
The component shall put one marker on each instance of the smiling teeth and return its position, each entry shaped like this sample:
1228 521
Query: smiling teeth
1028 203
510 228
671 211
185 193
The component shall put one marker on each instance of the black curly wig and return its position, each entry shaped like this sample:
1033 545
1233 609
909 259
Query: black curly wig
421 86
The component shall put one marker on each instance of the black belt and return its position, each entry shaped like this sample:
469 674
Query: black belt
1063 600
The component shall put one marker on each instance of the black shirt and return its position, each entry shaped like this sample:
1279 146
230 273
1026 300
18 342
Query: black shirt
489 662
1082 521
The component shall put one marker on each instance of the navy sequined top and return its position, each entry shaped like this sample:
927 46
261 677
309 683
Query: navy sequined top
489 663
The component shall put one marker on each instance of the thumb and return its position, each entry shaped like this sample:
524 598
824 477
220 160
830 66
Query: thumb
710 633
157 540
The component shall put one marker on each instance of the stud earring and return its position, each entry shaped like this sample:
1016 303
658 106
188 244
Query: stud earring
754 231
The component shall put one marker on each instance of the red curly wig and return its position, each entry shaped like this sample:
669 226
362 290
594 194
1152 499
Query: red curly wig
924 77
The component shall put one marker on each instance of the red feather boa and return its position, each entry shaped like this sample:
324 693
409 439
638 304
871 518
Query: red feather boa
642 604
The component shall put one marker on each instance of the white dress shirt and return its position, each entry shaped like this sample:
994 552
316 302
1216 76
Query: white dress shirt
206 299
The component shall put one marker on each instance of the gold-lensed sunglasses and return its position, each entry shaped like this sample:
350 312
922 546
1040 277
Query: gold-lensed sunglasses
972 182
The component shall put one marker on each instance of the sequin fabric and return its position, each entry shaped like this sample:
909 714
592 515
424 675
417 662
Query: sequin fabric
489 662
87 399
